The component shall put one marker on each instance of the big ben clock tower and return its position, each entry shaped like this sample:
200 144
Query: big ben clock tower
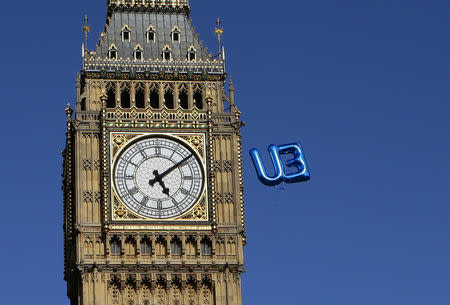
153 194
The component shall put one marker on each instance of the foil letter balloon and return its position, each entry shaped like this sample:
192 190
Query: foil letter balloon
298 162
277 178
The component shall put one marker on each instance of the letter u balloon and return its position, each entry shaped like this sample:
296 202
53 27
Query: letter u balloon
280 175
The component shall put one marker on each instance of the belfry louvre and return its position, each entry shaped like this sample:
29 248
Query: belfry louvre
152 174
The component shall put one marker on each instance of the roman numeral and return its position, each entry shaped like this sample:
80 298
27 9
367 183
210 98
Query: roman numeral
158 150
188 177
144 201
144 155
183 191
174 202
133 191
159 205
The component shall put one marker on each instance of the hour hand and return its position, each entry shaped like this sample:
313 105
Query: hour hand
158 178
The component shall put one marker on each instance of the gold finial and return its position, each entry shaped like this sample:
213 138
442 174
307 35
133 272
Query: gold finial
69 111
86 29
219 33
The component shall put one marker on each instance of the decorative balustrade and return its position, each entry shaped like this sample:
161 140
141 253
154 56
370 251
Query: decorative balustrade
151 3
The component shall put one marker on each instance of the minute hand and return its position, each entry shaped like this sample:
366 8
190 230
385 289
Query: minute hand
174 167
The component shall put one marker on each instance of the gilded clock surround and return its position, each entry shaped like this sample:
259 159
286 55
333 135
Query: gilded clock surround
196 141
111 257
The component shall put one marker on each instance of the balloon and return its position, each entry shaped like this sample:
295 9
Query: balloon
297 162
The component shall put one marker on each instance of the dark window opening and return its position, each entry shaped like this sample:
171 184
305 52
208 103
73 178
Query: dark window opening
125 101
198 100
184 100
168 100
151 36
175 245
176 36
206 246
154 99
83 104
126 35
166 55
191 56
111 100
112 54
138 55
140 98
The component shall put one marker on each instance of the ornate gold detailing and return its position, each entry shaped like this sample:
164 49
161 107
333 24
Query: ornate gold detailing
119 140
199 213
164 118
196 141
120 212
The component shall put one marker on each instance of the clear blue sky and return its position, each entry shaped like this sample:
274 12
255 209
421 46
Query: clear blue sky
364 85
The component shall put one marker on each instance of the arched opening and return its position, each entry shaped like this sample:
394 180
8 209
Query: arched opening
154 99
191 247
198 100
206 246
125 101
140 98
111 98
145 246
116 245
175 246
168 99
167 54
184 100
83 104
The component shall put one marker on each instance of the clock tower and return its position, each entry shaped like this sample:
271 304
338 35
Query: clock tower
152 180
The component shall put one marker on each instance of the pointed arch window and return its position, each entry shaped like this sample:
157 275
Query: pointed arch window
192 54
125 100
176 34
145 246
168 99
126 33
198 99
184 101
138 53
111 98
151 34
167 53
115 246
154 99
139 97
206 246
112 53
175 246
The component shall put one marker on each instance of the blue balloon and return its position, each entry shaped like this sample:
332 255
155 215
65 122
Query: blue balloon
297 162
261 171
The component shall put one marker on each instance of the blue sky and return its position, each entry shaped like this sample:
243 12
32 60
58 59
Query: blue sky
364 85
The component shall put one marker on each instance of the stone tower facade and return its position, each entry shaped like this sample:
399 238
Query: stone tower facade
152 179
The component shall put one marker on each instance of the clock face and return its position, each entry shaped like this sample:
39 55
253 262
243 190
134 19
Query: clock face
158 177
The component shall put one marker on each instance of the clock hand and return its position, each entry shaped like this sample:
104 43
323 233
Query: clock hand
160 176
159 180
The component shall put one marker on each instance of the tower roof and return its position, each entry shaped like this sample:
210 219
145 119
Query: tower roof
149 5
162 33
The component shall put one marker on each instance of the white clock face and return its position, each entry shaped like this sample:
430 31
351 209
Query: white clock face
158 177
